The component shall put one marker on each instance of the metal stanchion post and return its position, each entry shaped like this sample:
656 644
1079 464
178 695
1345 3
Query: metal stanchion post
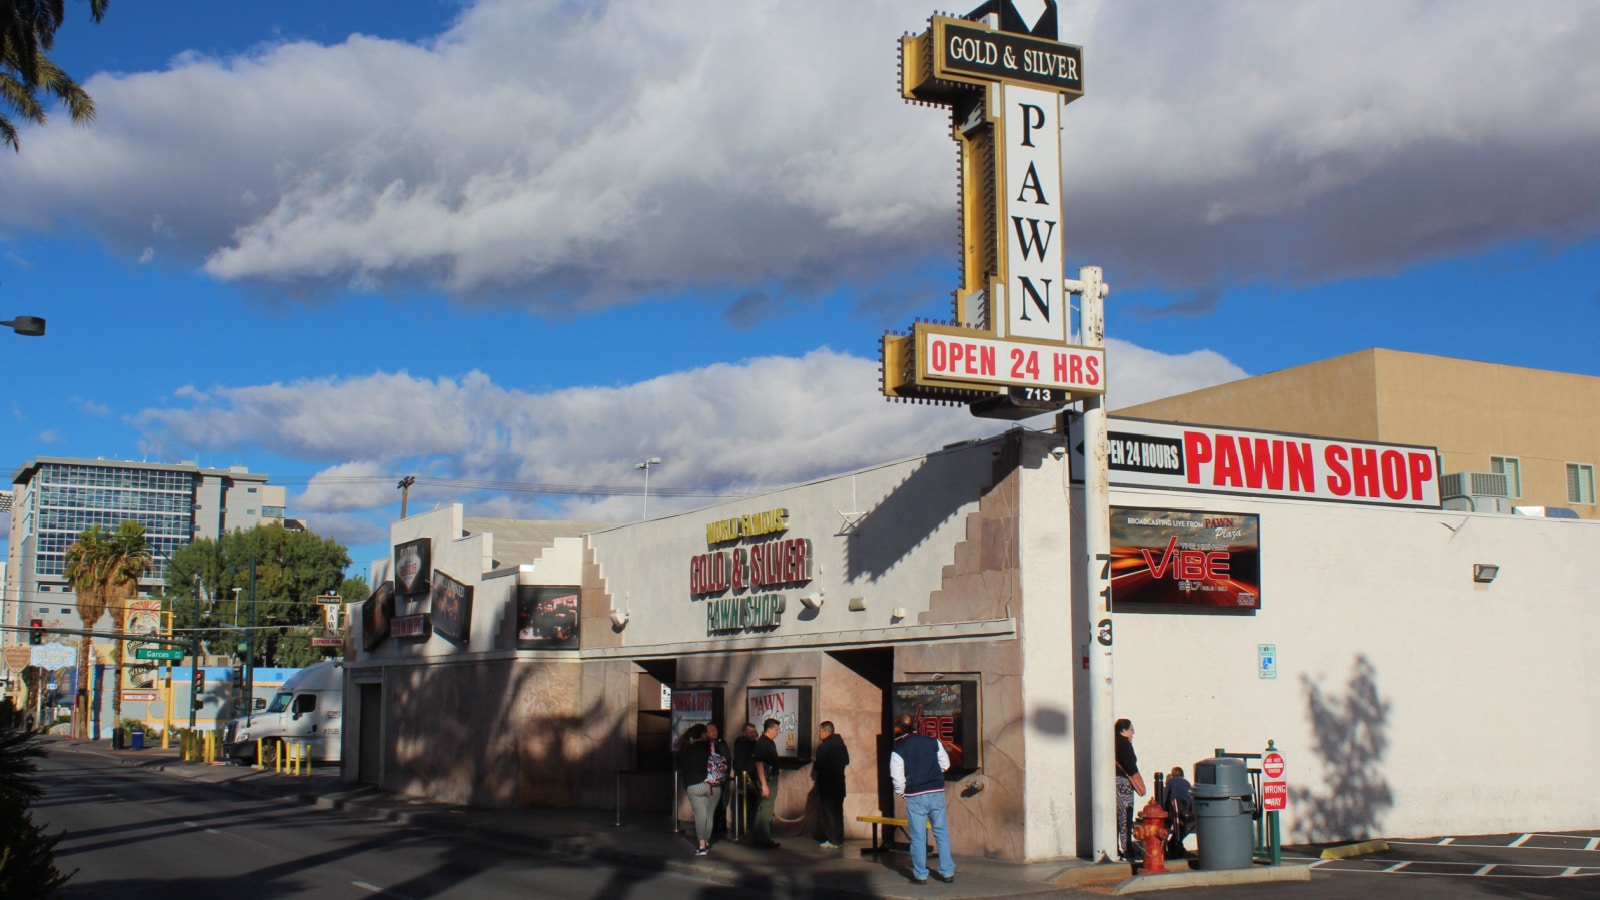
674 804
618 823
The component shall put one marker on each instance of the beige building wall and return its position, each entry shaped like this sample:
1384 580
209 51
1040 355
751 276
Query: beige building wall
1469 410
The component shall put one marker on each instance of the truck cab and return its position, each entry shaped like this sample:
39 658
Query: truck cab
307 708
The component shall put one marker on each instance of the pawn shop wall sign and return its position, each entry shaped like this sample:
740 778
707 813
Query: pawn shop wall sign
1005 78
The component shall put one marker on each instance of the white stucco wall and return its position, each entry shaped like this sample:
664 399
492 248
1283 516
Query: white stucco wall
1443 706
915 510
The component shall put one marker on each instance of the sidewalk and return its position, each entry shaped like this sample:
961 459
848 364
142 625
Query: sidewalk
646 841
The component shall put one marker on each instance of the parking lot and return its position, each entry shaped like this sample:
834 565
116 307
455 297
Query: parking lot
1570 855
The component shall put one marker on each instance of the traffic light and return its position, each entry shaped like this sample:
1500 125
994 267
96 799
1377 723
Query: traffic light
36 632
199 688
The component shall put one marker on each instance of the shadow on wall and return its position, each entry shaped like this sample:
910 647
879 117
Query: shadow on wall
931 495
1351 737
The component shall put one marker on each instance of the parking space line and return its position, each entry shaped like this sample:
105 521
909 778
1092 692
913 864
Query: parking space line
1569 870
1443 841
1593 842
1520 841
1484 870
1397 866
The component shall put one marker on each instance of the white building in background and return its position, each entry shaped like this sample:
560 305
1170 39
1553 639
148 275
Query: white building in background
54 499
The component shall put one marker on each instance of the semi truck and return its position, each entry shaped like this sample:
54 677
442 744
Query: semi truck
307 710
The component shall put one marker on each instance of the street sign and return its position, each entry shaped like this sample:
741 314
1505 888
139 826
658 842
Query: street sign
327 642
1274 796
1272 765
140 696
158 653
54 655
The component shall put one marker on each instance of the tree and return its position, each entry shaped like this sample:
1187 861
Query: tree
27 854
27 30
86 574
291 569
104 570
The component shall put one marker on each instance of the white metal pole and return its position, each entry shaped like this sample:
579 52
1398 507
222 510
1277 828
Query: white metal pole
1097 584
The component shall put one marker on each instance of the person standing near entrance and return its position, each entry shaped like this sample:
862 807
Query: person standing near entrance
694 767
917 768
828 771
719 751
766 759
1129 784
744 777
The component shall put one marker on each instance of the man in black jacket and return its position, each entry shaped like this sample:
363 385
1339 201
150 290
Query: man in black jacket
828 771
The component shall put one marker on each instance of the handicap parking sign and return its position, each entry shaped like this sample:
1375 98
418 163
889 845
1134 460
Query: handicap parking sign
1267 658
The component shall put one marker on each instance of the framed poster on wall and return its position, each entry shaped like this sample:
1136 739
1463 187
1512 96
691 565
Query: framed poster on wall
451 608
376 614
547 617
412 562
1178 559
946 711
695 706
791 706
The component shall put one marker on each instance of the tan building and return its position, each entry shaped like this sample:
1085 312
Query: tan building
1540 429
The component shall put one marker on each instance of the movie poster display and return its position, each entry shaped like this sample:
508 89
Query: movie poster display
547 617
1184 559
412 562
694 706
376 614
791 706
450 608
946 711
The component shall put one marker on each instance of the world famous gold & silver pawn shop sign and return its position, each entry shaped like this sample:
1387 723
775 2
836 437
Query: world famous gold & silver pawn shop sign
1007 353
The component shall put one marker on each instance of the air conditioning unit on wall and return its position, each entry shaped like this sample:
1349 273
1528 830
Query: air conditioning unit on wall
1475 491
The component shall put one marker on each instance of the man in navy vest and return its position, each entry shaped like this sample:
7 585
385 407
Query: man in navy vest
917 768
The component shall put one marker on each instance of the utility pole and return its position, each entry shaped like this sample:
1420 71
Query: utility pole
405 492
1103 809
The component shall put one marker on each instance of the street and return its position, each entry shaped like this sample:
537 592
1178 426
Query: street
134 834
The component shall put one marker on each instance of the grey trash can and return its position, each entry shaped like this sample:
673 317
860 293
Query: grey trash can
1223 806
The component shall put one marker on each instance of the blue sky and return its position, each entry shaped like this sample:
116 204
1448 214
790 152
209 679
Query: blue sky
536 242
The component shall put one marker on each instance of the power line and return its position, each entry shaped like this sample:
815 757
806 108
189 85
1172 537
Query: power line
521 487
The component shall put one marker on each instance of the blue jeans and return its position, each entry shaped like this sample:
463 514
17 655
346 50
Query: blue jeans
920 810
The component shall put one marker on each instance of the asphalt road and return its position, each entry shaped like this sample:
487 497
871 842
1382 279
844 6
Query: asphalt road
134 835
1532 866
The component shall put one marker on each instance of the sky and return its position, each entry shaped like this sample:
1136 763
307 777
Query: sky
513 248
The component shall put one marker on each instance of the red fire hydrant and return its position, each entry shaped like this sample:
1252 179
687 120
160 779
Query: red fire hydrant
1152 833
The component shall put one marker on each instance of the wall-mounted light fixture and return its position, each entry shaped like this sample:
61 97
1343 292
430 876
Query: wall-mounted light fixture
812 600
619 618
1484 573
858 604
898 613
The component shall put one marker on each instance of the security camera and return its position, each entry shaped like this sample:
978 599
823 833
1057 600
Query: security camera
1058 452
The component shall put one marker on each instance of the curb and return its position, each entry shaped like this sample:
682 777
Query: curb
1213 878
1348 850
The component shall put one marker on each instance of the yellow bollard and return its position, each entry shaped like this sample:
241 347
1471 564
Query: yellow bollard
279 758
261 762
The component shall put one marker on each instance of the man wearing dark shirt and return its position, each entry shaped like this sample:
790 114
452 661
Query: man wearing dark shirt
744 767
828 770
766 759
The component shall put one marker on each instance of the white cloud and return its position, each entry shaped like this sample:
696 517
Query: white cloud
726 427
552 153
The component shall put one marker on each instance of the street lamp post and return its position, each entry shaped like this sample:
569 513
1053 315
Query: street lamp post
31 326
652 461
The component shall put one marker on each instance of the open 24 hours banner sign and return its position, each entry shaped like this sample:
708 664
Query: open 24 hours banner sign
1173 558
1176 456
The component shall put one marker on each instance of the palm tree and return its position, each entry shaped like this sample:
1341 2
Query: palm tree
27 29
104 571
129 558
87 574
